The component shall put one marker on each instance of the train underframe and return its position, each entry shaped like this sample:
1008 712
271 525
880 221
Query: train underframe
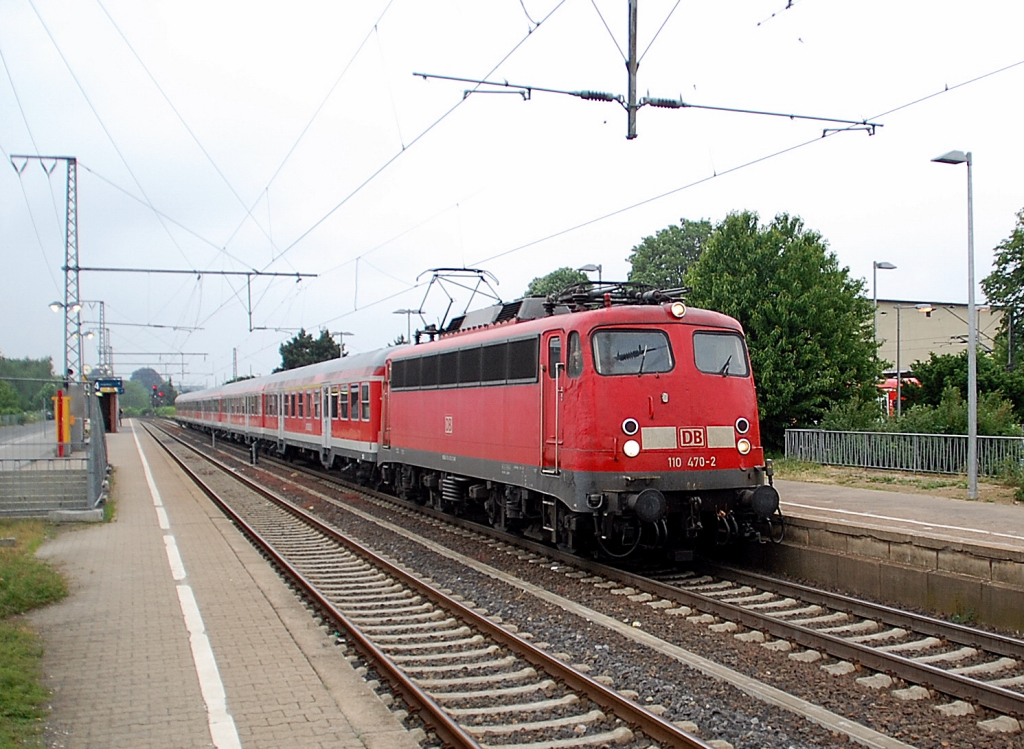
616 525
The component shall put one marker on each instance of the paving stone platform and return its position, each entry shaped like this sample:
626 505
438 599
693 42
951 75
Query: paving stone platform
122 650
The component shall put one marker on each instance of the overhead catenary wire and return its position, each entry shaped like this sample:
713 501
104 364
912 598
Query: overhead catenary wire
659 29
690 185
28 204
413 142
181 119
608 29
396 156
737 168
316 113
103 127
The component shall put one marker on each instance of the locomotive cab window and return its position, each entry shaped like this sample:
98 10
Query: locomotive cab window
720 354
554 355
574 357
632 352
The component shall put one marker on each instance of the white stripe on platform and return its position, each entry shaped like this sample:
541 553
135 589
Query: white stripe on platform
222 726
905 520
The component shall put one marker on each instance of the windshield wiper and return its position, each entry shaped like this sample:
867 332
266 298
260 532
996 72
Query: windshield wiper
724 371
643 358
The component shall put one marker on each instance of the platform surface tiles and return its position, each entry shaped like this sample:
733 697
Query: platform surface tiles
177 634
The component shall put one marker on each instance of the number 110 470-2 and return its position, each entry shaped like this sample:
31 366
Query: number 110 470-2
694 461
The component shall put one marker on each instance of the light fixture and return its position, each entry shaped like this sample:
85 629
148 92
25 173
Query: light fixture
959 157
591 268
875 267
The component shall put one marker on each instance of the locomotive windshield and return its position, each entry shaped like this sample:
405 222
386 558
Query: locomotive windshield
622 352
720 353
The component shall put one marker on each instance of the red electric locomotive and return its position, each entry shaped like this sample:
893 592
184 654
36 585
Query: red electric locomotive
608 419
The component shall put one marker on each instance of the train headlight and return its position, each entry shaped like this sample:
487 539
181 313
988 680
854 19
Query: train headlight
631 448
742 425
678 309
743 445
630 427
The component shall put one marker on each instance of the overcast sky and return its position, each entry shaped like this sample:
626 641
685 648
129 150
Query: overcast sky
185 115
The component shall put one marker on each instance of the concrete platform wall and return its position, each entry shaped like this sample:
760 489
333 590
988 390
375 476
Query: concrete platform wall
974 583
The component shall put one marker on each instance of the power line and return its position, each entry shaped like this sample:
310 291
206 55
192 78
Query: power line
394 158
103 125
316 114
752 162
413 142
182 120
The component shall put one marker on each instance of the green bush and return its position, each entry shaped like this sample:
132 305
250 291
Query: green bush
995 416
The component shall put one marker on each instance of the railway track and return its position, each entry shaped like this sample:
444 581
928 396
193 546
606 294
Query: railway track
472 681
812 625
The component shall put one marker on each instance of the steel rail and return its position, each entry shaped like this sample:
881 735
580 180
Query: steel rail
990 641
954 685
647 722
431 713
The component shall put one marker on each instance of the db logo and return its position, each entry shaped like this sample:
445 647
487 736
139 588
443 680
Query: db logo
447 424
692 437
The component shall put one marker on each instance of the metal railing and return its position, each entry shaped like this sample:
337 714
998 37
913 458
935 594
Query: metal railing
900 451
35 481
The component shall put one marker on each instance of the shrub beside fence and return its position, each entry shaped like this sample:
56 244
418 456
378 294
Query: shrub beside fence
921 453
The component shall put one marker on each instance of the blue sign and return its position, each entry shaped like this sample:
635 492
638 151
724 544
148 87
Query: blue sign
112 385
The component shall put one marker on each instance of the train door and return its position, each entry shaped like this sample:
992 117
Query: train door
279 413
325 416
552 386
385 407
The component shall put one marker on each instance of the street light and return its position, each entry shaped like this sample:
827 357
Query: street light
408 321
875 267
590 268
927 308
959 157
58 306
341 341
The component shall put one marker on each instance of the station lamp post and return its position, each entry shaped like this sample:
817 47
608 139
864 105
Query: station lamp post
72 344
591 268
408 321
875 267
341 341
959 157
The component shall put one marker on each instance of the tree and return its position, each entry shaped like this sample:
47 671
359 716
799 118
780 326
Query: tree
950 371
135 398
662 260
1004 286
807 322
10 401
28 377
303 350
147 377
555 281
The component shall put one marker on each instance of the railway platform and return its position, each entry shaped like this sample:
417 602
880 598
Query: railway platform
176 633
954 557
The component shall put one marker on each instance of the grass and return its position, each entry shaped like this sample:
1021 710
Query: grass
25 583
1002 490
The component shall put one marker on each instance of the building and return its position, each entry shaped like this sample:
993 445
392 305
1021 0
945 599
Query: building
924 328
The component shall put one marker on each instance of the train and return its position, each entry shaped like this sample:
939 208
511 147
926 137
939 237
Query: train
610 420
